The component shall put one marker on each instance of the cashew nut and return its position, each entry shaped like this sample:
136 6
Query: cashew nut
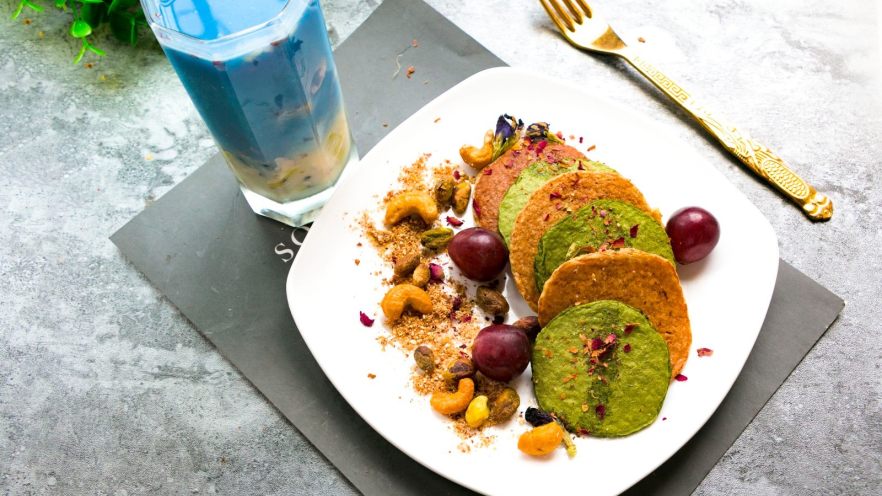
450 403
402 296
410 203
478 157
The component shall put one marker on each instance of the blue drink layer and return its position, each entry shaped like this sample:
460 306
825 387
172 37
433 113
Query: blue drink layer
274 109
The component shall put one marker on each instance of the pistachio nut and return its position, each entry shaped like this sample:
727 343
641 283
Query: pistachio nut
504 405
405 264
461 195
424 358
436 238
421 275
491 301
444 192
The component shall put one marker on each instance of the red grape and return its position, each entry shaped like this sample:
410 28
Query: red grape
694 232
501 352
480 254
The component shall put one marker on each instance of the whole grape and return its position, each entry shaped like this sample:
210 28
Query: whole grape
480 254
694 232
501 352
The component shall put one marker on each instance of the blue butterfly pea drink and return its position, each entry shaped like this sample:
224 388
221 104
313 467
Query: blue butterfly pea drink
261 75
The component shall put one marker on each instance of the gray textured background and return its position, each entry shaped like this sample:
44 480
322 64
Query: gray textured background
106 389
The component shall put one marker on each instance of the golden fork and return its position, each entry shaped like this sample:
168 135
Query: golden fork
583 28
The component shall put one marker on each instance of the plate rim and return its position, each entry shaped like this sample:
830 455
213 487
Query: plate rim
632 113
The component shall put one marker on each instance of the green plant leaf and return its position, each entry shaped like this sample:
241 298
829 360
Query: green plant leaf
121 5
22 5
90 1
80 29
93 13
61 4
123 25
80 54
17 11
92 48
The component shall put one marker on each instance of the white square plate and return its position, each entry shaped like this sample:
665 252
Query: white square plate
728 293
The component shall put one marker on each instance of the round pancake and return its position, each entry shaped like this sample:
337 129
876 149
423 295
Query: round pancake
531 179
495 179
554 201
599 226
642 280
605 357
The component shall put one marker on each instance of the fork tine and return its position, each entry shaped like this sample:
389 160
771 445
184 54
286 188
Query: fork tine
562 15
553 16
585 8
577 14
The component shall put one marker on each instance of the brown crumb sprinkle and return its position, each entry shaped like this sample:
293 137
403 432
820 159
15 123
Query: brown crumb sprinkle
372 375
357 262
410 71
641 39
450 328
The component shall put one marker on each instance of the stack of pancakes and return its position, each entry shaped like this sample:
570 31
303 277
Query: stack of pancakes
586 234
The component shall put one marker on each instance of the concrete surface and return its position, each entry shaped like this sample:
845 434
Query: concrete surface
106 389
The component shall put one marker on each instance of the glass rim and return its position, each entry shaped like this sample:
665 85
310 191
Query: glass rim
187 39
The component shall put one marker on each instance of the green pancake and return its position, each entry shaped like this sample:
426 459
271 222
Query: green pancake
607 401
531 179
599 223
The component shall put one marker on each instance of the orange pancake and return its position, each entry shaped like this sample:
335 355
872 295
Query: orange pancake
551 203
495 179
642 280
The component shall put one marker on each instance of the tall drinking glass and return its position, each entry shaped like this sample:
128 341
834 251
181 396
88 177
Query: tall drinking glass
262 77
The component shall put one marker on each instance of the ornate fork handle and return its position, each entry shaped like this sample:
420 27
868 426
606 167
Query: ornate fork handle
754 155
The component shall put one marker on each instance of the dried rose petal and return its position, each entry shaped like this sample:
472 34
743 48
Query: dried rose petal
488 171
580 139
600 410
541 146
365 320
475 207
453 221
627 348
466 318
629 328
703 352
680 378
456 174
559 135
554 195
602 214
664 418
619 243
457 303
633 231
610 338
546 217
581 166
596 344
436 272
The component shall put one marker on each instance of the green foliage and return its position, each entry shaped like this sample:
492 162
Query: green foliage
124 17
